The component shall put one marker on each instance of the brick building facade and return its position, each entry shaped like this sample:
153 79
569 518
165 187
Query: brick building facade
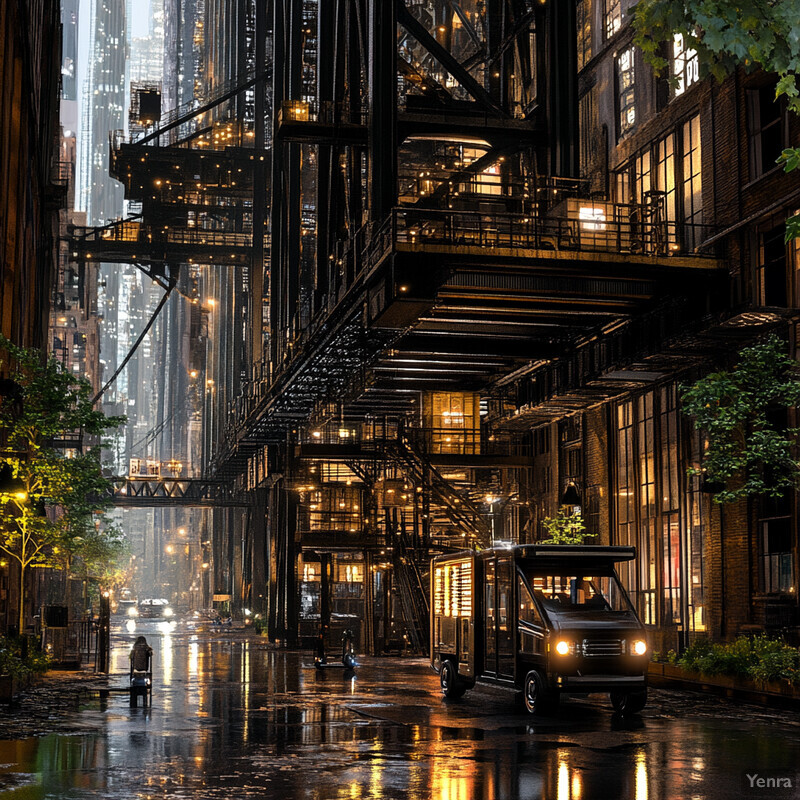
704 152
31 190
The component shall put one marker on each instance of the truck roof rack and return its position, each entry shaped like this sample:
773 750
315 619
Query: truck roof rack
578 552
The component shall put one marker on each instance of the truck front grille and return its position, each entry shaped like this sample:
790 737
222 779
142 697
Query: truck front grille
602 647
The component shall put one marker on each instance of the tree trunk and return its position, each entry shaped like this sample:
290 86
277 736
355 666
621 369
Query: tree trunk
21 629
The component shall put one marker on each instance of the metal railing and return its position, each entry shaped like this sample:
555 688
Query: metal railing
134 231
631 230
330 112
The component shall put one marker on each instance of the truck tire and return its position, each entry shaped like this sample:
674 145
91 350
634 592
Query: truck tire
629 702
452 687
538 701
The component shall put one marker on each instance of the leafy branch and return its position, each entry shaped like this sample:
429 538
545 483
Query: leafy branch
565 528
747 448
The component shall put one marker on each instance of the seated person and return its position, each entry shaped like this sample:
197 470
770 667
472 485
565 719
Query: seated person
141 656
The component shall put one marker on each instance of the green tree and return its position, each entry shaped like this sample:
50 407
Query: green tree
726 34
748 451
565 528
49 404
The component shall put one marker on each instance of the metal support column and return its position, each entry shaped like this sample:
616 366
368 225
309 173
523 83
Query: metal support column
382 107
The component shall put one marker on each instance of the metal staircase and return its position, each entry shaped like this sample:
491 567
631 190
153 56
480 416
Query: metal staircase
456 506
411 587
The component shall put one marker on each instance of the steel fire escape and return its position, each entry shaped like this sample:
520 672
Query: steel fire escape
192 182
429 233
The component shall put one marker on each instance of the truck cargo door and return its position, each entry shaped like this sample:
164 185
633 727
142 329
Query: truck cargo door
506 656
490 630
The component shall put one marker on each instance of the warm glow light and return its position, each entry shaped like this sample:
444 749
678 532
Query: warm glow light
639 647
562 647
562 788
641 792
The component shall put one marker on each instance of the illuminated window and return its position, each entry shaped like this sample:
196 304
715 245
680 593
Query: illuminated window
451 421
349 572
692 182
452 589
613 17
592 218
626 95
333 510
685 65
662 518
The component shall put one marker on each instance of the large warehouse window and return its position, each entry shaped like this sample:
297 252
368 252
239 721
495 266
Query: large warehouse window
626 96
659 511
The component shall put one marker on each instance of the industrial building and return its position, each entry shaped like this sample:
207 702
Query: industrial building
446 267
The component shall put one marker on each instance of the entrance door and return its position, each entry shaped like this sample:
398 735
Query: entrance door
490 630
505 618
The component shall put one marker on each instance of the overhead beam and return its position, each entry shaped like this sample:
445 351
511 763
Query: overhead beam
446 59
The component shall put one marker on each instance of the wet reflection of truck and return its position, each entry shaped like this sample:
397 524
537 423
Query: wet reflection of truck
543 619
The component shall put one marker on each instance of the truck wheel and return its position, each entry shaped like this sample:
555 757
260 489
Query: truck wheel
452 688
538 701
629 702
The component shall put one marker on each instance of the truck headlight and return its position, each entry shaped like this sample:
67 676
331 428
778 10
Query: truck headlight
563 647
639 647
133 611
167 611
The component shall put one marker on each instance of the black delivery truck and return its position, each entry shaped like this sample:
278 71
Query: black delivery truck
543 619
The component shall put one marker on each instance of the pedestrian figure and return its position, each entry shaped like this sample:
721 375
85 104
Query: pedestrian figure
141 675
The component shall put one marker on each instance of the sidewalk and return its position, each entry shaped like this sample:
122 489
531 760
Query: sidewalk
49 704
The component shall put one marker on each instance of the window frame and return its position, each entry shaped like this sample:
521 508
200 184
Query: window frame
625 94
755 131
612 18
689 63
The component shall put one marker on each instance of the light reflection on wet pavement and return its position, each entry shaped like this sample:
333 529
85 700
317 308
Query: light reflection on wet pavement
232 718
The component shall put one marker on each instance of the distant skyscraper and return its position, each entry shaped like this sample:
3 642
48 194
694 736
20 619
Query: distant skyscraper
147 52
103 111
69 49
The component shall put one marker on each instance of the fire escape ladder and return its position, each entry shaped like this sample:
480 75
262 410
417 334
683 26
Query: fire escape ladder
411 587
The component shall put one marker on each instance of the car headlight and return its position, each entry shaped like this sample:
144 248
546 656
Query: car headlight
639 647
563 647
133 612
167 612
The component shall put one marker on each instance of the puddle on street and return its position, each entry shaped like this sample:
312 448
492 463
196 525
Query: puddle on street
232 719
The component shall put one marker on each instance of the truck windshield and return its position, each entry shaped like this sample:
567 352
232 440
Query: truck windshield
579 593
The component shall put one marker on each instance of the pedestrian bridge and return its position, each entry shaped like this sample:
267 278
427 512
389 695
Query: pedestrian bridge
149 493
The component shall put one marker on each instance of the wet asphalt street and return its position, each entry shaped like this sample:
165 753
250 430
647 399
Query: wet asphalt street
234 719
